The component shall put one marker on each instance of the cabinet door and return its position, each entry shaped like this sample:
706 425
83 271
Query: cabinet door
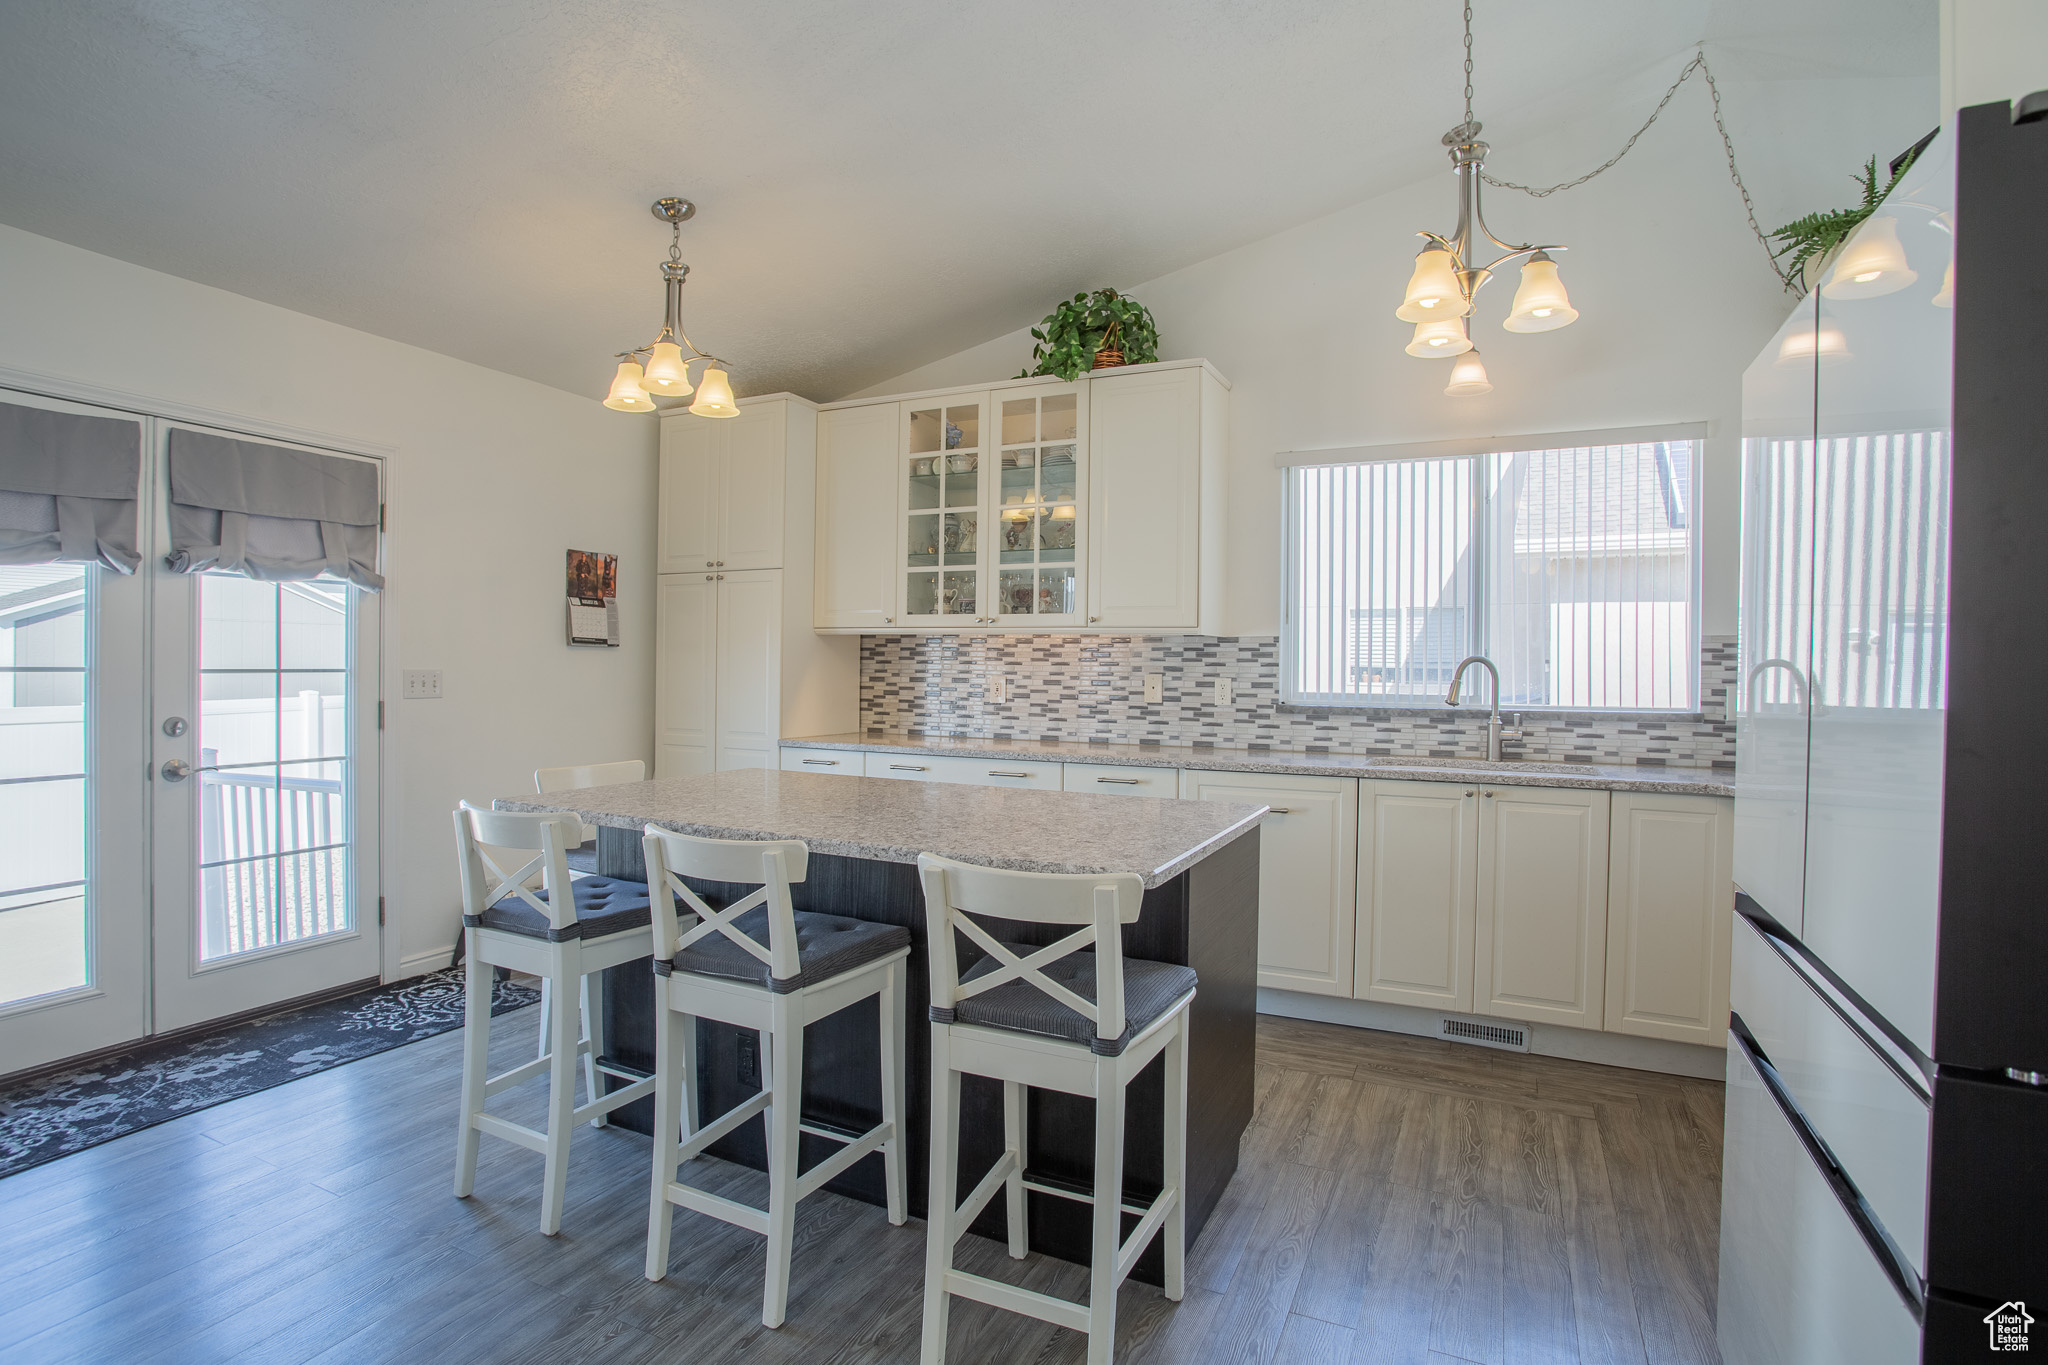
749 669
691 456
944 458
1144 499
830 762
1418 856
855 581
1034 504
685 683
1308 867
1669 916
750 510
1541 946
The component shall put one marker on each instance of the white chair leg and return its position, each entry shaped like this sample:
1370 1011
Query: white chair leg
670 1074
1013 1188
1108 1212
593 1034
562 1038
1175 1229
547 1012
476 1058
945 1180
686 1044
786 1085
890 1003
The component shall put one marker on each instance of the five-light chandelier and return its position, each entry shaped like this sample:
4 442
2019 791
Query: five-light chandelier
1447 279
669 356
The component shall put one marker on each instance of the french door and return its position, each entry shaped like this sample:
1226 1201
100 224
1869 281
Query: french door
188 782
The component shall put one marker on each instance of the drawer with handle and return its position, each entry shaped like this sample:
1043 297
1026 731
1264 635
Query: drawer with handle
844 762
904 767
994 772
1106 779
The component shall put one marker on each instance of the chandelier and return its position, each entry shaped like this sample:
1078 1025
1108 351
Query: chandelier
1447 279
667 372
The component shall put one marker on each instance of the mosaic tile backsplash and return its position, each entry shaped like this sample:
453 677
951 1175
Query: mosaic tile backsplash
1091 687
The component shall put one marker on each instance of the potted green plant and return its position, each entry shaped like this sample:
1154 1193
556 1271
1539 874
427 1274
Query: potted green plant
1811 241
1093 332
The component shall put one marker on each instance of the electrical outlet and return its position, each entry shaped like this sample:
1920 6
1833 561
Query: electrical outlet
420 684
999 688
1155 687
750 1059
1223 692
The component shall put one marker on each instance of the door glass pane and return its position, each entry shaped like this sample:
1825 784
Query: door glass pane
43 688
1020 421
924 431
959 594
922 597
963 427
1019 598
1055 591
1019 531
273 751
1058 423
960 536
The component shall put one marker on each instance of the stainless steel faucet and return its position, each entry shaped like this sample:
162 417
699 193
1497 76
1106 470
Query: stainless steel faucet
1493 720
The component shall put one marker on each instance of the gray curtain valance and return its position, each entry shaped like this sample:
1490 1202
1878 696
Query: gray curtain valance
271 513
68 485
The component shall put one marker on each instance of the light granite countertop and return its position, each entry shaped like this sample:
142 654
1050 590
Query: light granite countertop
1678 781
892 821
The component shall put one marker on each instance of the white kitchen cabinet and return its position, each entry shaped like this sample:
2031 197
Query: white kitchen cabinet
1155 500
1109 779
1308 866
724 485
1670 912
1540 945
831 762
1418 855
856 545
737 664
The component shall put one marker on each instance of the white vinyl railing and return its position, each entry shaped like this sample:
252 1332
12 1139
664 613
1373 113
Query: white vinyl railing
273 858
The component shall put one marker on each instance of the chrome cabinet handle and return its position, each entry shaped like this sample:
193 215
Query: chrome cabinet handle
1468 791
710 564
993 773
175 770
1279 810
1489 796
906 768
822 762
1093 619
1122 781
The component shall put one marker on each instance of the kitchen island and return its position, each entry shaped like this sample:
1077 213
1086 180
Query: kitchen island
1199 862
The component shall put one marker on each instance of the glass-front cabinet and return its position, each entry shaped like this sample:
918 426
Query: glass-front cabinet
991 526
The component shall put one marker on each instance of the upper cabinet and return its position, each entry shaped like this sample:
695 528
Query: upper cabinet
1029 505
724 490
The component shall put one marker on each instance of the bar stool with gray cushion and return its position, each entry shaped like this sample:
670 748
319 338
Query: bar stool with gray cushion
583 857
536 918
759 963
1062 1019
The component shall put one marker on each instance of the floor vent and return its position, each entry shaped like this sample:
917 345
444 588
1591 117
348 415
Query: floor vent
1512 1037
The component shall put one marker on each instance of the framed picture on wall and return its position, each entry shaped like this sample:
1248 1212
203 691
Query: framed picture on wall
593 599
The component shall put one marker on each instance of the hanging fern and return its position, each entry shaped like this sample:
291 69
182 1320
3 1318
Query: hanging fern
1817 234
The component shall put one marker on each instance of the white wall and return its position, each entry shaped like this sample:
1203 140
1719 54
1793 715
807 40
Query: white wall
492 480
1992 50
1674 292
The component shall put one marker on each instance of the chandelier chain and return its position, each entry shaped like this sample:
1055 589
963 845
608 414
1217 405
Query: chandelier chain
675 243
1699 64
1468 63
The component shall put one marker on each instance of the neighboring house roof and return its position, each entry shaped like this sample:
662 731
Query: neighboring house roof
1603 500
26 591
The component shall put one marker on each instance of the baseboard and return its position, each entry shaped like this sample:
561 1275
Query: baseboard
419 964
1577 1044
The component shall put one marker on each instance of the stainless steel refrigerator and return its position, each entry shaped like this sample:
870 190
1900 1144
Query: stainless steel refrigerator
1885 1177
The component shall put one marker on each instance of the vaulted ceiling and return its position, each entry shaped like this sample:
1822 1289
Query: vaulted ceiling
878 184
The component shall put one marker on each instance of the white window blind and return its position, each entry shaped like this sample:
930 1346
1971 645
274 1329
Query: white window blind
1574 566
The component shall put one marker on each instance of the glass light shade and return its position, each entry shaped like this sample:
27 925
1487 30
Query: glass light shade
668 374
714 395
626 394
1446 336
1945 297
1433 290
1468 377
1871 264
1541 305
1800 346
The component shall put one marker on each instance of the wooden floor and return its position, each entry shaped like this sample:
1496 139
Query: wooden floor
1399 1200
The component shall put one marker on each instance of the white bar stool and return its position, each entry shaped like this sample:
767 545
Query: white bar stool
1061 1019
564 933
582 858
761 964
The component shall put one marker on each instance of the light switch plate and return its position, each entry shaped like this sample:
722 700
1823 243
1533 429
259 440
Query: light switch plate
1155 687
1223 692
420 684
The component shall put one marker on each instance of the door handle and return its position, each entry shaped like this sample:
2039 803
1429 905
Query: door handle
175 770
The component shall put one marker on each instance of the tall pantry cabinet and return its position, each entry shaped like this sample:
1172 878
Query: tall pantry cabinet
737 665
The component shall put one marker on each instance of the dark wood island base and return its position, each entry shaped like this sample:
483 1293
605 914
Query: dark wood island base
1206 918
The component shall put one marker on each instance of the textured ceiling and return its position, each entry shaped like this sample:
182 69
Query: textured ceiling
878 184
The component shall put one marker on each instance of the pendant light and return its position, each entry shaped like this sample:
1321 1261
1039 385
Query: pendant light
667 372
1468 377
1871 265
1447 278
1824 343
